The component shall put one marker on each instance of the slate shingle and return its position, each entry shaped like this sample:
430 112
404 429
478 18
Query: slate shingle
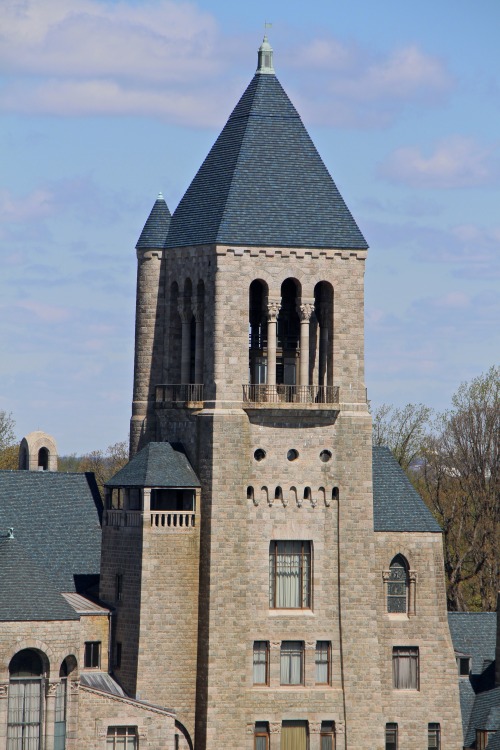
155 231
264 183
27 592
397 506
156 465
56 516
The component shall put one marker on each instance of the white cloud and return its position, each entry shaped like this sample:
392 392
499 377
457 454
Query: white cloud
456 162
36 205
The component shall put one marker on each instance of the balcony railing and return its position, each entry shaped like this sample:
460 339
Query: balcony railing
290 394
167 519
179 392
118 517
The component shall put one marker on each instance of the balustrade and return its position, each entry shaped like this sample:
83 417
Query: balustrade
290 394
167 519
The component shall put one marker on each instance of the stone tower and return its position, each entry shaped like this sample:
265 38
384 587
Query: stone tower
250 355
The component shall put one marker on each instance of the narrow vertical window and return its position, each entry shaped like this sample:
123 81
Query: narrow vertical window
323 660
327 735
292 663
118 655
261 735
25 707
391 737
118 587
92 658
405 668
434 734
261 663
60 709
290 575
397 586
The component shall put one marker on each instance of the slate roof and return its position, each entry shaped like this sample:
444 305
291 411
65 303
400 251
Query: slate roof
27 592
156 465
264 183
397 506
154 233
56 518
101 681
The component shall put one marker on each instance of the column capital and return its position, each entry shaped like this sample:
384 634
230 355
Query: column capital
305 311
198 311
273 308
4 690
185 312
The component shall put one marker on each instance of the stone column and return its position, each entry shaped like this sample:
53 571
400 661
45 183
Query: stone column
273 309
186 316
4 701
50 712
305 310
198 311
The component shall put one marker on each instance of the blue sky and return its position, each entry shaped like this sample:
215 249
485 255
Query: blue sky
103 104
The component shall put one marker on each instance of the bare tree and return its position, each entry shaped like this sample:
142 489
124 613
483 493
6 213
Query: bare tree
7 426
106 463
460 482
404 430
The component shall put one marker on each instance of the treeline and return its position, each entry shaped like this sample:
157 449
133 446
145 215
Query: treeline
453 460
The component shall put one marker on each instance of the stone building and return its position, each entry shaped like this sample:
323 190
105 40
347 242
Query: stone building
281 584
266 579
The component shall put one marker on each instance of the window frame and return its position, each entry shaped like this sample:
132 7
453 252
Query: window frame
412 653
261 729
298 649
112 734
328 662
434 736
305 576
391 726
255 663
327 732
90 648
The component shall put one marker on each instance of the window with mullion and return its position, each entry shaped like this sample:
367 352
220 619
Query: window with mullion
261 663
121 738
405 668
290 575
434 735
323 659
261 735
391 736
92 658
292 663
24 714
327 735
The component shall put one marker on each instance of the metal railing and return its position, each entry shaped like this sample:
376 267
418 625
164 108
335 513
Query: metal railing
290 394
179 392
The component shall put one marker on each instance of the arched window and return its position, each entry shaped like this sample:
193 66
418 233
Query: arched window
43 459
257 332
25 714
61 703
323 356
288 334
398 585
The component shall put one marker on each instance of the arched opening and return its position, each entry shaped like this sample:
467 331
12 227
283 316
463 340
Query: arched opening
43 459
26 695
61 703
188 334
323 351
175 337
307 493
287 354
335 494
278 494
398 585
257 332
199 338
250 493
24 458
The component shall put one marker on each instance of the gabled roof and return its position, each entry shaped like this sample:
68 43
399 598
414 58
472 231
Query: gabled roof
156 465
154 233
485 715
397 506
56 517
27 592
264 183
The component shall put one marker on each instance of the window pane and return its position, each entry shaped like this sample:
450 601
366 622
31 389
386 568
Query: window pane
397 587
405 668
323 662
290 575
391 737
291 662
434 736
260 650
294 735
326 742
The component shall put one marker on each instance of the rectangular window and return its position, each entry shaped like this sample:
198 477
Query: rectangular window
261 735
261 663
118 587
482 737
121 738
327 735
434 732
92 659
292 663
290 575
24 714
294 734
463 663
405 668
323 660
391 737
118 655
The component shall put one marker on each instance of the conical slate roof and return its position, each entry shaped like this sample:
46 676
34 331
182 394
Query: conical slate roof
154 233
156 465
28 592
264 183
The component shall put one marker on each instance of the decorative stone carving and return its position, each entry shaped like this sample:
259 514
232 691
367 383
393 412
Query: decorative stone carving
275 727
4 691
74 686
299 501
328 500
314 500
339 727
273 309
284 499
198 312
305 311
314 727
52 689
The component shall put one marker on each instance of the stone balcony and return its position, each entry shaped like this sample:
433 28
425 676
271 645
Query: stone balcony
271 396
168 520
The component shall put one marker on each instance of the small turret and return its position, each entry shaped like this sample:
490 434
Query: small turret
265 57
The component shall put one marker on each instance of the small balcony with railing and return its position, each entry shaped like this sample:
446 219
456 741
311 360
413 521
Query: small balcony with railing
265 395
186 395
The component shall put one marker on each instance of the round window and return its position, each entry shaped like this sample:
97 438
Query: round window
259 454
292 454
325 456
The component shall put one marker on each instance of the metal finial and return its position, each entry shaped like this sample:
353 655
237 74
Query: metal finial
10 533
160 196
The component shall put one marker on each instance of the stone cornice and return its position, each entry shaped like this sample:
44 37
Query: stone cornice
292 252
128 701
